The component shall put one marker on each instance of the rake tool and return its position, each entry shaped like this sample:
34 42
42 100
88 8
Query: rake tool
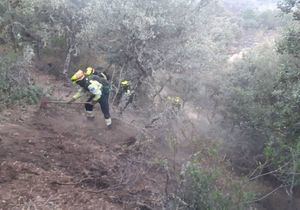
46 101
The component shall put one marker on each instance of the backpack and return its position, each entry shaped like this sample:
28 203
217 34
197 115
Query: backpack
105 84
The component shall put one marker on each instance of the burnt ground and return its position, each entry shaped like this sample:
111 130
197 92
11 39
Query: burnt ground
54 158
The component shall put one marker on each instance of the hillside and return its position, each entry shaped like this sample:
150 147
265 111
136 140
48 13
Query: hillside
54 158
203 96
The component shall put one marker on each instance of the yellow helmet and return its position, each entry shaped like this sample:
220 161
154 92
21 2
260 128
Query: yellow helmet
124 82
89 71
79 75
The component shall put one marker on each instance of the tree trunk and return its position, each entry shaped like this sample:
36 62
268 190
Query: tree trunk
68 62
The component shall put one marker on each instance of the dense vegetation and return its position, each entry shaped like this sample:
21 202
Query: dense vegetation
16 86
185 46
261 100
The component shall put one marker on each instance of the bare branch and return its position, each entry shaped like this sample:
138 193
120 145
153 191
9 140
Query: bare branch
267 195
270 172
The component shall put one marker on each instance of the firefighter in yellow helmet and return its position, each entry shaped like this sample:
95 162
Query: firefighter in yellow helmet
96 91
90 72
125 90
125 95
125 85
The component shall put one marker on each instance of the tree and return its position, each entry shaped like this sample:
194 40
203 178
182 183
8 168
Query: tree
261 102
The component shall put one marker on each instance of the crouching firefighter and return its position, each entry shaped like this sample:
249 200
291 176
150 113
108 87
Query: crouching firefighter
96 90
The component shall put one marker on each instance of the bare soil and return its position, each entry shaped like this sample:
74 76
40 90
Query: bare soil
55 158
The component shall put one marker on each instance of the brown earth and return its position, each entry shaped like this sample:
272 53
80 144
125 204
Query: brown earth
55 158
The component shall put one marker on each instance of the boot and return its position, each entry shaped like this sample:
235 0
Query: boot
108 122
89 114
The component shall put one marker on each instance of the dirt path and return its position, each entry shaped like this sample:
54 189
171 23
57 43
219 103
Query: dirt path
55 158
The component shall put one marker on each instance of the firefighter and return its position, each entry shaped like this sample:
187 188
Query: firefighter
96 90
124 96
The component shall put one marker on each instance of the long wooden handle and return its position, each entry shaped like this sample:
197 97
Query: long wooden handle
65 102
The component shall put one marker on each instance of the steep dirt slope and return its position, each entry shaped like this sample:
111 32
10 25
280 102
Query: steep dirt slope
55 158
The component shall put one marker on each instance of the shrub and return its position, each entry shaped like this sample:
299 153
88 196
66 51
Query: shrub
261 99
58 41
15 83
205 190
268 19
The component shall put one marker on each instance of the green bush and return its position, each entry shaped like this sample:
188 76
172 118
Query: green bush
15 86
269 19
249 19
58 41
201 190
29 95
262 100
290 43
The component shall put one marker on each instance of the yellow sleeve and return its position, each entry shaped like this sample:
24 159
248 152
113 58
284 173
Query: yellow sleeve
97 97
78 94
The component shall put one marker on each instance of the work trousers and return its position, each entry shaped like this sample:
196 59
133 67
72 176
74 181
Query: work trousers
103 104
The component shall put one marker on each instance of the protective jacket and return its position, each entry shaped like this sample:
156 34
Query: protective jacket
89 87
103 81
